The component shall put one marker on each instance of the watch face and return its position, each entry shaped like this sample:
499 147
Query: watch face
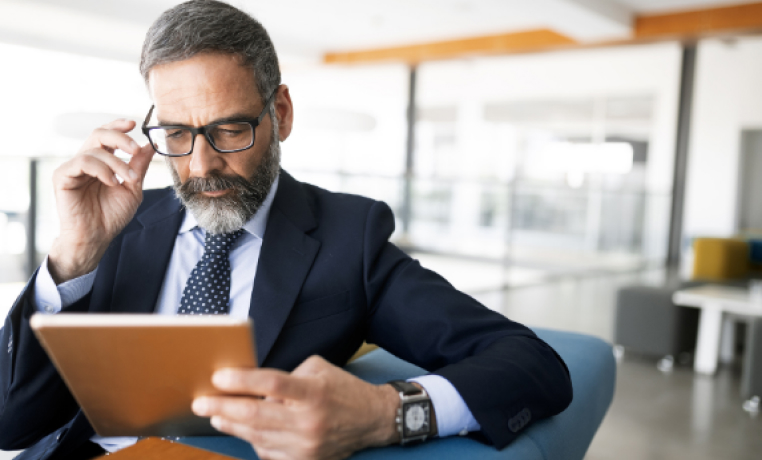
416 418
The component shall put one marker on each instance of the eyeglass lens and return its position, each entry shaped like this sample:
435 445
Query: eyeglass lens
179 141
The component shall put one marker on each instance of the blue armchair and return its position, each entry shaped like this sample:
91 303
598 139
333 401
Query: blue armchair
565 436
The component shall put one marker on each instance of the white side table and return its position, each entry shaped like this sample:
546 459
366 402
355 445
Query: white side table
717 304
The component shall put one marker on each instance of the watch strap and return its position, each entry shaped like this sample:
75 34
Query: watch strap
406 388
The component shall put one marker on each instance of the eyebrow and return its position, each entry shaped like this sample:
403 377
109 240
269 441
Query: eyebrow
234 117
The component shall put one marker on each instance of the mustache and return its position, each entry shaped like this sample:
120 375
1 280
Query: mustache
213 183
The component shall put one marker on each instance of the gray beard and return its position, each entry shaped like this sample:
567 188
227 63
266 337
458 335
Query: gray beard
230 212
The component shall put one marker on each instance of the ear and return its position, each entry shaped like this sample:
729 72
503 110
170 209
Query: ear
284 109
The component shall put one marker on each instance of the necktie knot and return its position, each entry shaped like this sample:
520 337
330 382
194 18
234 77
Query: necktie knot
221 243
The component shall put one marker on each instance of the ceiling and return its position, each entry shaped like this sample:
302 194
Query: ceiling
307 29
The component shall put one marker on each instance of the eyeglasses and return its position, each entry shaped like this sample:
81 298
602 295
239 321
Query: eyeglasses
224 136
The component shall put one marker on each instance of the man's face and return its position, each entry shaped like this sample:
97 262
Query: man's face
222 190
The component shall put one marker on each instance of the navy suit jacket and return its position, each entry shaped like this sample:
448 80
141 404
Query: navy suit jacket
327 279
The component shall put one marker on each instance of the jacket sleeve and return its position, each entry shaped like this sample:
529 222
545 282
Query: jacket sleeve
34 401
507 376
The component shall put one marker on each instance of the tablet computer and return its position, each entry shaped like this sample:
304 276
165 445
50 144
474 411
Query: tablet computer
137 375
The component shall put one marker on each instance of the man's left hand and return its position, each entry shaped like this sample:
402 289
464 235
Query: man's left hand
318 411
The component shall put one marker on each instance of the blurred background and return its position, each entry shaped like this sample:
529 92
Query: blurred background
540 154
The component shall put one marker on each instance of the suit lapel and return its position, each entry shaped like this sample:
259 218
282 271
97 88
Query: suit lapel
144 258
284 262
285 259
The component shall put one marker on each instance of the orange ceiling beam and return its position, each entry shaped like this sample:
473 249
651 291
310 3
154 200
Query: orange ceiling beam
736 19
698 23
516 42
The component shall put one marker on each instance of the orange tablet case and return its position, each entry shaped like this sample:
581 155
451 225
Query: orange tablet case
136 375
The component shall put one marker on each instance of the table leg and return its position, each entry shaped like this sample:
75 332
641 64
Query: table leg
727 340
702 405
751 374
708 346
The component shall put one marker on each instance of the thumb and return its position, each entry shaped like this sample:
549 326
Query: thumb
312 366
141 160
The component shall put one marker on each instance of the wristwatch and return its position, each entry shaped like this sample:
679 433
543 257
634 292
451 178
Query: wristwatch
414 415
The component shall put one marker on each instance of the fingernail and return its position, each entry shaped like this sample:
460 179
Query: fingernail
216 421
221 378
200 406
133 175
134 144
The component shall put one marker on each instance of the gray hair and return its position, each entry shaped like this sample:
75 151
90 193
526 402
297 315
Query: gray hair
211 26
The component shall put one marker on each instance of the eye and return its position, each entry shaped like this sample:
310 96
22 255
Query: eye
229 131
175 133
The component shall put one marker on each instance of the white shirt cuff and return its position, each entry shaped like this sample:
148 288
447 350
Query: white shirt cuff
50 298
453 416
114 444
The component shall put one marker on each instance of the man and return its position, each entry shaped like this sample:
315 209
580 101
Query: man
314 269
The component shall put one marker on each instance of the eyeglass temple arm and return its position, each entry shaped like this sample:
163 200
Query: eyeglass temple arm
148 117
267 105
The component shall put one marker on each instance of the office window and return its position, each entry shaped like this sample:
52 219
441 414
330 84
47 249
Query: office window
349 129
561 161
51 101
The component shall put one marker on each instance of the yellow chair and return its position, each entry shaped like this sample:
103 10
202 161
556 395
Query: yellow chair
364 348
718 259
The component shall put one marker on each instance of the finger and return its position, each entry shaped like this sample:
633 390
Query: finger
71 173
118 166
268 444
311 366
268 454
262 382
122 124
257 413
111 139
142 160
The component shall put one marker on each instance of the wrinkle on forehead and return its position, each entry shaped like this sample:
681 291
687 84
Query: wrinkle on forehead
203 88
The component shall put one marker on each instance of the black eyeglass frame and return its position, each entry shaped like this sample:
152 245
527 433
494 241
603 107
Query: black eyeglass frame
253 122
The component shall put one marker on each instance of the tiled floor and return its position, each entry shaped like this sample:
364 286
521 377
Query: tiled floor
679 415
654 416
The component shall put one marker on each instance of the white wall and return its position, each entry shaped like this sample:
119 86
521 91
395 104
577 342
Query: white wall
728 99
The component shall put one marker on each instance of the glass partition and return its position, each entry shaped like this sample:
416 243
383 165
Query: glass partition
14 210
557 162
349 129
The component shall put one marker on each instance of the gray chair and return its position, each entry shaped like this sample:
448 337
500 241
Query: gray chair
646 321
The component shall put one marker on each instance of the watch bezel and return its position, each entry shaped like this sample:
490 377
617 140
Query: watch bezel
407 399
409 434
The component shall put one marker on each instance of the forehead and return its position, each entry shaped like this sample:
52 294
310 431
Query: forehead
202 88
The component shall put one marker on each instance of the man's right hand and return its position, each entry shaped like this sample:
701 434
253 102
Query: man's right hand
93 207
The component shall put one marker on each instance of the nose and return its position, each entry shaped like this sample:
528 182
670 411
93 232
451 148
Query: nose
204 158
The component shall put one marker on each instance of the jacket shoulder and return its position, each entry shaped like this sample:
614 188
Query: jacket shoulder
322 200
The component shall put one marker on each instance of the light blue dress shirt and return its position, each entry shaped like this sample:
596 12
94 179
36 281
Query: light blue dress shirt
453 416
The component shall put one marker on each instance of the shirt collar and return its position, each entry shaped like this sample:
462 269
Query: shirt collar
255 225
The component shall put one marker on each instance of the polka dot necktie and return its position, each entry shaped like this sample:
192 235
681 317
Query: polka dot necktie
207 291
